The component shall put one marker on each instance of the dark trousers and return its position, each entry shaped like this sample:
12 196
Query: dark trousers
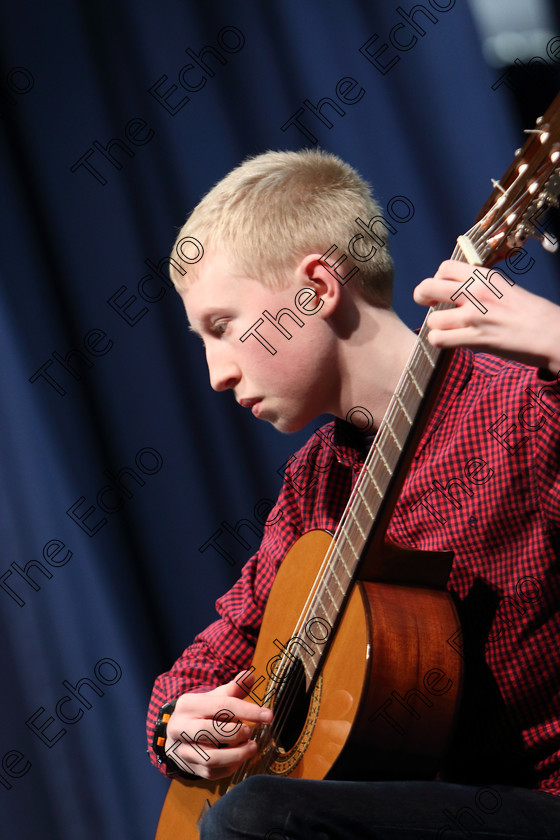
271 808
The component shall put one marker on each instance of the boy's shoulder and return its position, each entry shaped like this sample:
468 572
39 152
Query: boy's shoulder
508 382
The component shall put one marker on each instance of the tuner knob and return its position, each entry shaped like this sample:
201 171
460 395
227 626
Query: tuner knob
497 186
548 245
543 132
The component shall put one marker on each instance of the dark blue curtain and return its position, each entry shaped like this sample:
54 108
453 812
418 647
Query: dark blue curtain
119 465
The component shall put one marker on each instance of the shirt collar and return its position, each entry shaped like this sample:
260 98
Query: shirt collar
457 377
352 445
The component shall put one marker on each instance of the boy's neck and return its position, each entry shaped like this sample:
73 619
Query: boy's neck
372 360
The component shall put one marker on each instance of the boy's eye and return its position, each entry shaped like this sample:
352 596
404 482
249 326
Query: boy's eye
219 327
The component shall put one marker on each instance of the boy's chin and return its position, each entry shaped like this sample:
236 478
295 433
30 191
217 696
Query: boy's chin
288 425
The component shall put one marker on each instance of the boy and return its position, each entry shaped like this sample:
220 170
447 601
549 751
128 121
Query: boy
265 228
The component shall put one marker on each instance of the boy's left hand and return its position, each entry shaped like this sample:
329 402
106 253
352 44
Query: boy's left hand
519 325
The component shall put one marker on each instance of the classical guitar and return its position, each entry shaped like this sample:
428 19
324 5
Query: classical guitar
354 651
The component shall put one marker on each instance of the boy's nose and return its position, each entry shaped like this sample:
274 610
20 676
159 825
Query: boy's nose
223 375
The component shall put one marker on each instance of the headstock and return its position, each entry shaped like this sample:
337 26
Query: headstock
515 209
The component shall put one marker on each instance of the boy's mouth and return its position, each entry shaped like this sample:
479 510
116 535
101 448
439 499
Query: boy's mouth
249 403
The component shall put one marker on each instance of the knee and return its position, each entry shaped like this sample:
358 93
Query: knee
249 809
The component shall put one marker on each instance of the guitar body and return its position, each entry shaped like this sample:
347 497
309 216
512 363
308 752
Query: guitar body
385 700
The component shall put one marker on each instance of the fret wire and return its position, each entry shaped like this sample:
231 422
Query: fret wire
409 395
414 401
342 567
413 374
326 589
427 356
355 538
334 574
403 409
385 445
421 351
331 615
402 426
364 500
382 456
374 480
391 415
336 601
315 603
414 381
354 552
357 522
427 350
318 608
414 391
390 444
431 353
390 420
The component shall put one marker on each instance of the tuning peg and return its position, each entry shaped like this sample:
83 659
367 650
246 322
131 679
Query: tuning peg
548 245
497 186
543 133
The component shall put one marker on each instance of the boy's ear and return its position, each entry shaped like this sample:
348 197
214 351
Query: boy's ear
312 274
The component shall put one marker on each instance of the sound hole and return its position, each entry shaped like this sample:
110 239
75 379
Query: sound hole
291 707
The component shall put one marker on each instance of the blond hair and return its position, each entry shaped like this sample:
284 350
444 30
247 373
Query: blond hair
274 209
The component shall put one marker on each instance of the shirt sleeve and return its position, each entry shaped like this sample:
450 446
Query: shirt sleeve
226 646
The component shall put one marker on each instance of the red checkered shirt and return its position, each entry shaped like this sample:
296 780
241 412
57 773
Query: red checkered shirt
485 483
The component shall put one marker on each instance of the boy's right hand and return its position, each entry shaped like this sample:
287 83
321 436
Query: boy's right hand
219 713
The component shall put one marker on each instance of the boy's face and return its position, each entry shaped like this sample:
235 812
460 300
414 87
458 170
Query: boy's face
288 387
